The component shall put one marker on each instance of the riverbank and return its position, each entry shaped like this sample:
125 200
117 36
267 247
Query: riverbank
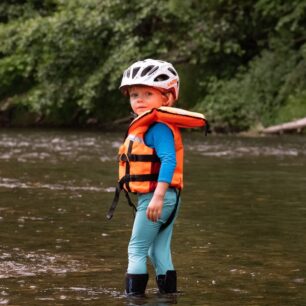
18 118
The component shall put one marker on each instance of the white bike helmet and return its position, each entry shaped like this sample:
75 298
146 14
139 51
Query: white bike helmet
151 72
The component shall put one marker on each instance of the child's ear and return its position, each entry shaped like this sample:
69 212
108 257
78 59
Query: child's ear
170 99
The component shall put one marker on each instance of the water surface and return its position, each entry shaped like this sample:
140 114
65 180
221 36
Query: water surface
239 239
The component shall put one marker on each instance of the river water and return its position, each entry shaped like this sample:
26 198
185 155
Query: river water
239 238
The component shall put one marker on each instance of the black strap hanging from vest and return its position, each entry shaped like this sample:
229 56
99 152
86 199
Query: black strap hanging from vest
125 180
171 217
114 203
127 196
207 129
116 200
113 206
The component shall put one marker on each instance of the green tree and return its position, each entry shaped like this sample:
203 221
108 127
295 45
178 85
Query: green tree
272 81
241 60
68 62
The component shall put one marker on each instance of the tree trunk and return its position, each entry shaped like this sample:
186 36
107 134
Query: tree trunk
296 125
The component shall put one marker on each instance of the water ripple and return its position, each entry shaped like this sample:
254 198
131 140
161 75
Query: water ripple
18 263
45 146
253 147
17 184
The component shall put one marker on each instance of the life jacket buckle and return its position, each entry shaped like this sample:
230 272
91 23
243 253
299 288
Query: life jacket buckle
124 157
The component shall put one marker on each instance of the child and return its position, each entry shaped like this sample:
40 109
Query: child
151 165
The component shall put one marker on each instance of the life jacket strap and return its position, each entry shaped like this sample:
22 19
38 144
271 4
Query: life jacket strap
171 217
207 129
115 202
125 180
128 178
138 158
140 178
130 202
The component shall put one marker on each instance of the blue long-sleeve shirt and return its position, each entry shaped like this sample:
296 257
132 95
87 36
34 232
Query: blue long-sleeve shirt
160 137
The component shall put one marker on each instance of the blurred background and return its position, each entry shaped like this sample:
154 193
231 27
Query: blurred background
243 63
240 237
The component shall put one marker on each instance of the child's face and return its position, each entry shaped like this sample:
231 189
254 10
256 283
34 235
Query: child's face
144 98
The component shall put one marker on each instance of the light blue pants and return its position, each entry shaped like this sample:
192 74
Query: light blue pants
148 240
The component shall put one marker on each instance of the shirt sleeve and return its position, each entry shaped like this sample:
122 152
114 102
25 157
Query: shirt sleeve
160 138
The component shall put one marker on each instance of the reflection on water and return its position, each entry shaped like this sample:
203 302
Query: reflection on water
239 239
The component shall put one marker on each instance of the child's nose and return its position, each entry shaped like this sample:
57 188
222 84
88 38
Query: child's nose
139 99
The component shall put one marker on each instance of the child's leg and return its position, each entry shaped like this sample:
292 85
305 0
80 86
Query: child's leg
145 232
160 250
160 254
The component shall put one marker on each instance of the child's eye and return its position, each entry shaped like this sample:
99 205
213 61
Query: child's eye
133 95
148 94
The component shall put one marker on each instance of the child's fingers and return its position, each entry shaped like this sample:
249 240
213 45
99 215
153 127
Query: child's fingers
149 214
152 214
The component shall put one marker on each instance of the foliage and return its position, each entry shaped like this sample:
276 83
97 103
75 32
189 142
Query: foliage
295 108
241 61
257 92
264 89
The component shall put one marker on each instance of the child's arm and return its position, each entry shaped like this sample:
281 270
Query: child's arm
160 138
155 206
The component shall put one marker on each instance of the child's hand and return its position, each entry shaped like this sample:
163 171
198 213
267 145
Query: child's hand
155 206
154 209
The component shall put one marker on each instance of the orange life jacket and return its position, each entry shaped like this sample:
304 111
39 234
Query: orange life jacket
138 164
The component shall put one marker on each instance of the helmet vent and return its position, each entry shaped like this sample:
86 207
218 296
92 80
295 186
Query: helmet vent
153 70
135 70
161 77
146 70
172 71
128 73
